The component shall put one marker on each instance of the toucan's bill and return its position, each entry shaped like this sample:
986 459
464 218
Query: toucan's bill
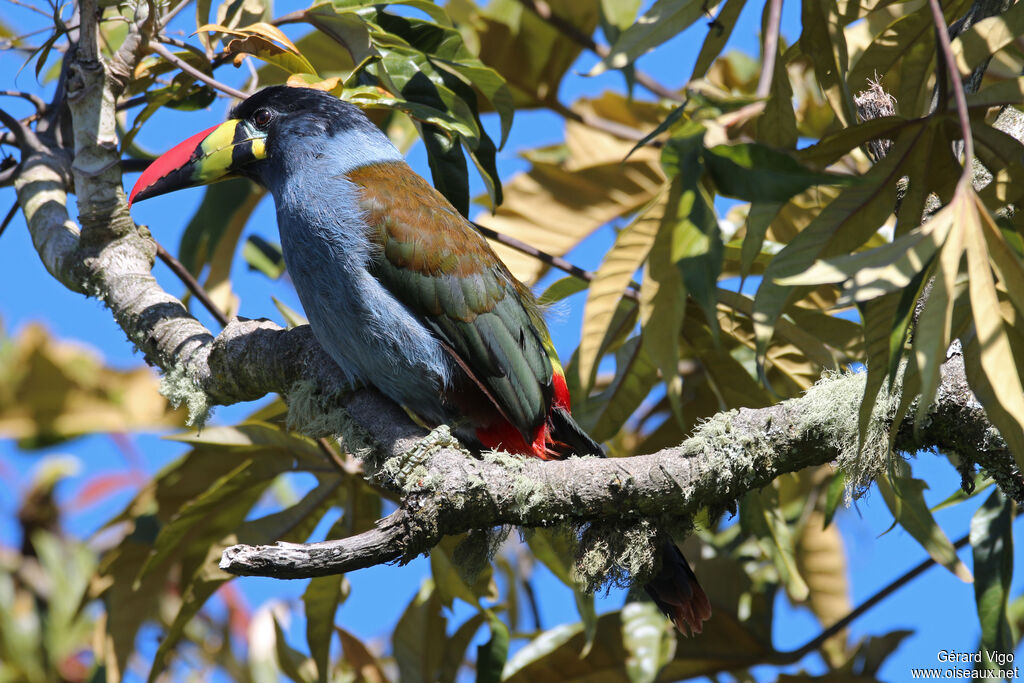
204 158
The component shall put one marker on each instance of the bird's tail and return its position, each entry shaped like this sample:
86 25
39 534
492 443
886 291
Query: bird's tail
676 592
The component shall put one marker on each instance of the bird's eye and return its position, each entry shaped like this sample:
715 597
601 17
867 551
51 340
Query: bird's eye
262 117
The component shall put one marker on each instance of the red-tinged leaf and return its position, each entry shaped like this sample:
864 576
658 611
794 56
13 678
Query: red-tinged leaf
239 613
104 485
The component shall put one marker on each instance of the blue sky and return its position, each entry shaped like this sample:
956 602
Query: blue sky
938 607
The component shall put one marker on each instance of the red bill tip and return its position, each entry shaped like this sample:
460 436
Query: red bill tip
169 161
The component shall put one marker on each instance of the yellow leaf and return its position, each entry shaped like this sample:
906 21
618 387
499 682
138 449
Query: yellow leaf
610 281
821 559
997 359
51 391
573 190
266 42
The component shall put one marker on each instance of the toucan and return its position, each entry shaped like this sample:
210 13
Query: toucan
399 288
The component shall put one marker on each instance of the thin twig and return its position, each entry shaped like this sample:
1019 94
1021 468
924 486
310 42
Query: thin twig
168 40
9 217
31 7
25 136
131 102
770 48
191 70
956 84
298 16
558 262
543 10
615 128
531 601
166 19
192 284
37 102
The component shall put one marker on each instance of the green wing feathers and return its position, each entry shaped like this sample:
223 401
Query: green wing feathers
433 261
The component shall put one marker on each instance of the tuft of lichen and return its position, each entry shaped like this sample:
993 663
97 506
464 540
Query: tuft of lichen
828 411
474 553
837 418
181 390
311 414
617 554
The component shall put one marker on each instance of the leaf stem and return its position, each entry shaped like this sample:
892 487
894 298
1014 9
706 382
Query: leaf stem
956 83
191 70
543 10
770 48
554 261
192 284
9 217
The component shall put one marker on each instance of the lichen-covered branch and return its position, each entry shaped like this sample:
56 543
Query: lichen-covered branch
450 492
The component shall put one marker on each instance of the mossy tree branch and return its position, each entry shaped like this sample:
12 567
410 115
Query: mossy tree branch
450 492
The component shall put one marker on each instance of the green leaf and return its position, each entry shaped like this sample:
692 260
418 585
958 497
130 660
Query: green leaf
360 658
664 20
450 582
777 124
844 224
980 483
874 650
555 547
992 543
554 655
562 288
905 498
870 274
627 255
418 639
620 13
824 42
761 517
222 214
67 567
759 218
491 656
455 647
662 312
758 173
226 500
506 31
833 495
321 598
635 376
292 318
263 256
649 641
696 246
668 122
447 167
301 452
982 40
719 31
291 661
293 524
